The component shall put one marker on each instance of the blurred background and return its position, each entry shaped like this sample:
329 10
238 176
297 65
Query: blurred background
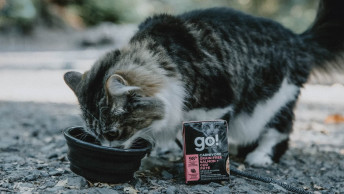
24 15
42 39
24 20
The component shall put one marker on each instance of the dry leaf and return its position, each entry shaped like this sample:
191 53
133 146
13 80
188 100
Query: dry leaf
334 119
318 187
241 167
341 151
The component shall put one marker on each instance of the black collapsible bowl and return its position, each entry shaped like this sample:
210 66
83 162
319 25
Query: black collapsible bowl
99 163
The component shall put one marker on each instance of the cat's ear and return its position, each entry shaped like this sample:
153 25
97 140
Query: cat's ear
72 79
116 85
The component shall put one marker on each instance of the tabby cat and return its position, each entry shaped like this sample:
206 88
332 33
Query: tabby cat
208 64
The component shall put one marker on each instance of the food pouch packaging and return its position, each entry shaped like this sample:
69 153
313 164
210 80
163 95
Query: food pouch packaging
205 151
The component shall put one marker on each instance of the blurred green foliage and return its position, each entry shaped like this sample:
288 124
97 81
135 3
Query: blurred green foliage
294 14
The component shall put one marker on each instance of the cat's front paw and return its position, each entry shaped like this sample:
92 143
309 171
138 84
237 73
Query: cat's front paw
258 159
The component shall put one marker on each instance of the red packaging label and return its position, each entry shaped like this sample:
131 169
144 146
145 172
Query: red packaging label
192 167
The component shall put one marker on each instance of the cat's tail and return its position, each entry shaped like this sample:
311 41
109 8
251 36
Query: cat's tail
326 36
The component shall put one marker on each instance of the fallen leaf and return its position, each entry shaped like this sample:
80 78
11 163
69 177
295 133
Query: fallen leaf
130 190
334 119
241 167
341 151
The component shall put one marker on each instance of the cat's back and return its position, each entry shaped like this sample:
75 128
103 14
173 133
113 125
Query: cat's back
235 21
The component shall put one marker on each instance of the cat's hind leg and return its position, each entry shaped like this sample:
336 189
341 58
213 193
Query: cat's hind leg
273 143
264 153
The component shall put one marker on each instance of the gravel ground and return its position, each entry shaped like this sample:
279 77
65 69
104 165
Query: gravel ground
35 106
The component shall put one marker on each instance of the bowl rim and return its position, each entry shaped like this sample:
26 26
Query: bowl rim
88 145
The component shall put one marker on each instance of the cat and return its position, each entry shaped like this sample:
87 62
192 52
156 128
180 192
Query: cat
215 63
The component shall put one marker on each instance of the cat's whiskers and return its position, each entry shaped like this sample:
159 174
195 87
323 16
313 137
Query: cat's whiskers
88 129
95 119
144 134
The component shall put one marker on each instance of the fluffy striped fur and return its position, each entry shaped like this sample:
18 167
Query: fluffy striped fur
208 64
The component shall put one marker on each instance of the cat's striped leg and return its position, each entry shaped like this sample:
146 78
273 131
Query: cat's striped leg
265 152
273 143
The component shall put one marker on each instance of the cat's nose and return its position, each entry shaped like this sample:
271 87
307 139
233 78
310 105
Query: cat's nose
111 135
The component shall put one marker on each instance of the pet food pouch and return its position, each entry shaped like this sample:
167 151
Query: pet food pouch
205 151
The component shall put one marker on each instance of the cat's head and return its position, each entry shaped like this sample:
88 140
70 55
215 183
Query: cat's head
118 106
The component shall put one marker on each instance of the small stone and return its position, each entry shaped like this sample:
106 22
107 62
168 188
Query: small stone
99 190
202 189
51 156
35 175
76 183
61 183
49 183
145 191
55 173
44 174
118 187
16 176
54 189
213 184
171 190
166 175
223 189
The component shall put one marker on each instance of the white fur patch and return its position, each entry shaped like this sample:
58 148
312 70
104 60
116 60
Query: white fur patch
246 128
258 159
261 156
172 95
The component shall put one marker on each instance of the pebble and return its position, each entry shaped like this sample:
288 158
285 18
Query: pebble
53 155
16 176
49 183
166 175
54 189
202 189
99 190
221 190
32 176
76 182
213 184
171 190
44 174
55 173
